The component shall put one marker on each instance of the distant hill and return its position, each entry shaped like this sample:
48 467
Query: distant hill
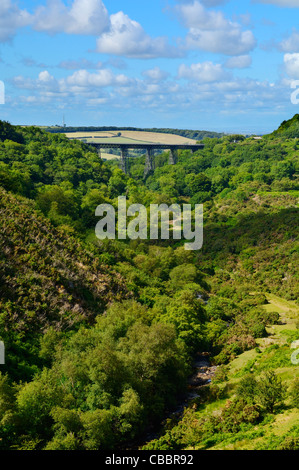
288 129
190 134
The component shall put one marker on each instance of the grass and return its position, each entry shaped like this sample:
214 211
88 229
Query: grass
109 156
278 430
142 137
281 335
280 424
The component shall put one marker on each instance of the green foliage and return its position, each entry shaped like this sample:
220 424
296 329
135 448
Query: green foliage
267 390
248 388
294 392
105 382
9 132
271 391
99 335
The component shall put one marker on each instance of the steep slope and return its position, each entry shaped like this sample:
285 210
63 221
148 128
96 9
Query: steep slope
288 129
47 278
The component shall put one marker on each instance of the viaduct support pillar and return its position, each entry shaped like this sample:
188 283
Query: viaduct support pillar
149 162
173 156
124 160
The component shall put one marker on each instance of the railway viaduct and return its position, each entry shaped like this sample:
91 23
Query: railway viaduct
149 149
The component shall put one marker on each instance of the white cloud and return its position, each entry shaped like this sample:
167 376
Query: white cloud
155 74
79 64
226 41
194 15
238 62
203 72
280 3
88 17
291 62
201 86
212 32
213 3
79 81
102 78
207 3
11 19
45 77
290 44
45 82
126 37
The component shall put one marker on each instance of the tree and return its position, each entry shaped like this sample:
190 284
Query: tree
117 183
90 201
7 131
184 274
196 183
270 390
294 392
248 388
65 201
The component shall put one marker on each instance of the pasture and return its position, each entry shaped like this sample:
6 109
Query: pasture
126 137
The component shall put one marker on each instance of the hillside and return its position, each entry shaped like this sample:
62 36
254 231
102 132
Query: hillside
101 336
227 415
288 129
48 280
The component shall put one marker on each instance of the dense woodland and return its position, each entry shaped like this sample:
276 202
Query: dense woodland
100 336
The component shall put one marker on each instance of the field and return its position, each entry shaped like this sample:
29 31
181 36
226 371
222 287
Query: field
127 137
109 156
124 137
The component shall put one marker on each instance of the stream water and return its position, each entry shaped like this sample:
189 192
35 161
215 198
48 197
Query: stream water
201 375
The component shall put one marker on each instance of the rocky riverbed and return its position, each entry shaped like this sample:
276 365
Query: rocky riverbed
201 376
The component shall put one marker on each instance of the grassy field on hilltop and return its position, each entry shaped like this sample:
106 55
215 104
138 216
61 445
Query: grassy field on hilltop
110 130
130 136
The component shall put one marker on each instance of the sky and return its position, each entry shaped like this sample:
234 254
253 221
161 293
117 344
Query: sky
219 65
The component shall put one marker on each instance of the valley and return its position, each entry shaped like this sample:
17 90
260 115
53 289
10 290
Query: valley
102 335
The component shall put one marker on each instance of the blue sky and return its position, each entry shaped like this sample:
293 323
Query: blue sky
222 65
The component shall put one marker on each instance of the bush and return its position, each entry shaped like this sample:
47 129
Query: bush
294 392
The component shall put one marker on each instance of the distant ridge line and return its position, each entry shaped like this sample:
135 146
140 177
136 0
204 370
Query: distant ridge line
189 133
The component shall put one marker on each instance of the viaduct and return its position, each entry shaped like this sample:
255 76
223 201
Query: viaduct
149 148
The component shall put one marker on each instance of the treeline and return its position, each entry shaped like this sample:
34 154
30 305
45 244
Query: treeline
191 134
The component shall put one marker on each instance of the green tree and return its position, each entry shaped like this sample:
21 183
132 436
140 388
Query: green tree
117 183
248 388
270 390
294 392
198 183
